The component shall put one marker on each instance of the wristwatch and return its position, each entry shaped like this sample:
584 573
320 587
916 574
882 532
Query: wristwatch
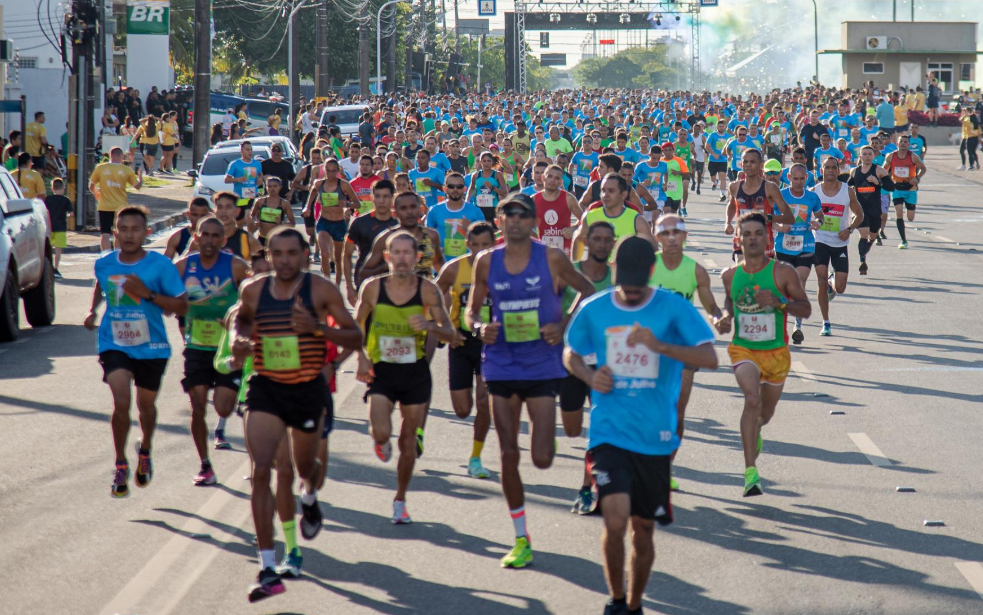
321 329
152 297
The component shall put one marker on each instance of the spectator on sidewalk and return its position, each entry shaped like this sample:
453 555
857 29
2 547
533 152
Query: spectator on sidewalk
11 150
60 210
36 139
108 183
30 181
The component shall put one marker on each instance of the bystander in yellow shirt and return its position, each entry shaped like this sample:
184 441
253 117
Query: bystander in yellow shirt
110 182
30 182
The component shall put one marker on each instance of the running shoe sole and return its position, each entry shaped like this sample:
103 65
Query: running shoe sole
205 482
311 517
136 474
223 445
753 490
797 336
262 592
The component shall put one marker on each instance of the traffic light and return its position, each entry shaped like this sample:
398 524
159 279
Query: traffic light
544 40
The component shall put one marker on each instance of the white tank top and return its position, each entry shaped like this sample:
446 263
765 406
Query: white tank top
699 154
836 210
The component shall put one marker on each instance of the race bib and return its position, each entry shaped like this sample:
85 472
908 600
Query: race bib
248 193
365 207
580 182
554 241
329 199
131 332
281 353
486 200
421 188
270 214
719 146
521 326
454 247
793 243
629 361
833 218
671 186
509 178
397 349
776 139
902 172
757 327
205 333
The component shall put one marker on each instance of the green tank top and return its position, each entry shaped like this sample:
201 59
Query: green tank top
681 280
755 327
569 294
512 179
624 223
685 153
389 337
211 292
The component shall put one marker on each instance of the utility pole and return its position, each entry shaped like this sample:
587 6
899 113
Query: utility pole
457 30
321 79
363 51
391 57
82 26
293 69
202 79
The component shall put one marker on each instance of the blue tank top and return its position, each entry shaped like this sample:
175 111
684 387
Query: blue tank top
523 303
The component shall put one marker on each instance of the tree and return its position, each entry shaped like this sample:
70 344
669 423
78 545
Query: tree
637 66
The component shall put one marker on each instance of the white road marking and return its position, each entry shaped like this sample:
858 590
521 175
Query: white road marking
945 239
709 263
973 572
803 372
127 600
933 369
870 450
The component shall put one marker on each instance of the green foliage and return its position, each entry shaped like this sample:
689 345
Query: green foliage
644 68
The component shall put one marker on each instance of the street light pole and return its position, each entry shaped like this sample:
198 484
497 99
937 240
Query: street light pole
378 44
815 17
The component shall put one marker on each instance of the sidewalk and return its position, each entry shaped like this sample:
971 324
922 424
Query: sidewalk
945 159
166 200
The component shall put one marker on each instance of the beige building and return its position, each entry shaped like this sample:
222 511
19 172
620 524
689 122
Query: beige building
901 53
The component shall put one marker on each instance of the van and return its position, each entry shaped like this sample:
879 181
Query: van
347 118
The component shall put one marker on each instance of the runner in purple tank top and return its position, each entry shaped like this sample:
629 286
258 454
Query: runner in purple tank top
522 356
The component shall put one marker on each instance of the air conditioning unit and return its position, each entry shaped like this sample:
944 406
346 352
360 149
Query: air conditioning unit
876 42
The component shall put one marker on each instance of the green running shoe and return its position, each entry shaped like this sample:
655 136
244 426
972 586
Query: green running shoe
476 470
520 556
419 442
761 442
903 245
752 482
291 565
673 485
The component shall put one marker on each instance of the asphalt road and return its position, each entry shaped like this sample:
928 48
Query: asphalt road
831 534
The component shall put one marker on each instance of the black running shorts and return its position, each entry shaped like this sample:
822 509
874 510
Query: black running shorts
464 363
147 373
524 389
645 478
199 369
299 406
839 257
406 383
573 394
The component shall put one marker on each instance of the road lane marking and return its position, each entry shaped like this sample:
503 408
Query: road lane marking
127 600
709 263
803 372
933 369
973 572
945 239
870 450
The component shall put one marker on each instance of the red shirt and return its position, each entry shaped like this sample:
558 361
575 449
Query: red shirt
554 216
363 190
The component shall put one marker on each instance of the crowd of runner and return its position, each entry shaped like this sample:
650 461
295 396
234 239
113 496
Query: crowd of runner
541 241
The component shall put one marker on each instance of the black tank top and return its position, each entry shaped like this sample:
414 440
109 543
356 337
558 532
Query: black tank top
868 194
281 354
238 244
183 240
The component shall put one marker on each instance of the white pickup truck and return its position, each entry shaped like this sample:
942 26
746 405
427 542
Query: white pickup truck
26 269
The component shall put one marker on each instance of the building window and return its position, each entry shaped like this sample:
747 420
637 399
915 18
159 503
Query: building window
966 72
873 68
27 62
943 72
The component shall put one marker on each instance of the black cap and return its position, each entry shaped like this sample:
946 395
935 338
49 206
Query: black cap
521 201
633 262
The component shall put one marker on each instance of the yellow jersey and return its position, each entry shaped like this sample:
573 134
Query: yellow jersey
33 133
30 182
110 181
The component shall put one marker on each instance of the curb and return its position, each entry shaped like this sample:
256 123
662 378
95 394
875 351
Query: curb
155 227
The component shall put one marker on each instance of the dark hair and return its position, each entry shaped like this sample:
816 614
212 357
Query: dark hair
599 225
14 134
23 158
131 210
384 184
287 231
753 150
225 194
611 161
799 150
753 216
38 114
57 183
199 201
366 157
477 228
400 236
406 194
622 182
258 255
207 219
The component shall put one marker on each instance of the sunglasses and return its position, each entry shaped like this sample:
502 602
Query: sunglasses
454 186
525 214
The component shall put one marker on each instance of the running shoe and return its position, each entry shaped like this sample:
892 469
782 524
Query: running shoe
311 519
401 516
145 468
419 442
877 241
697 189
673 484
961 167
220 442
384 452
713 186
290 567
723 197
520 556
830 289
205 477
683 212
827 330
584 503
267 585
882 235
616 608
903 245
797 335
476 470
58 275
863 268
752 482
121 477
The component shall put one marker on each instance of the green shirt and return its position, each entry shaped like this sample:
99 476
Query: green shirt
681 280
756 327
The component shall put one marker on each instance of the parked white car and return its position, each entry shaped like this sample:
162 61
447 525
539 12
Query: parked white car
347 118
210 176
26 268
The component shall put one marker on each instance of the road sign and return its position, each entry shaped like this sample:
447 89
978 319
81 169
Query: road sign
708 2
148 17
553 59
486 8
473 27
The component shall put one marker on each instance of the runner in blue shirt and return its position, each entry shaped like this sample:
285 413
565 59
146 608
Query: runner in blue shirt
642 338
716 147
138 287
246 177
452 217
583 162
825 150
427 181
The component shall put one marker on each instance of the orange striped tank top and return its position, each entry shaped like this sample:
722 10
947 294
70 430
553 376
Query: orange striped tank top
281 354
